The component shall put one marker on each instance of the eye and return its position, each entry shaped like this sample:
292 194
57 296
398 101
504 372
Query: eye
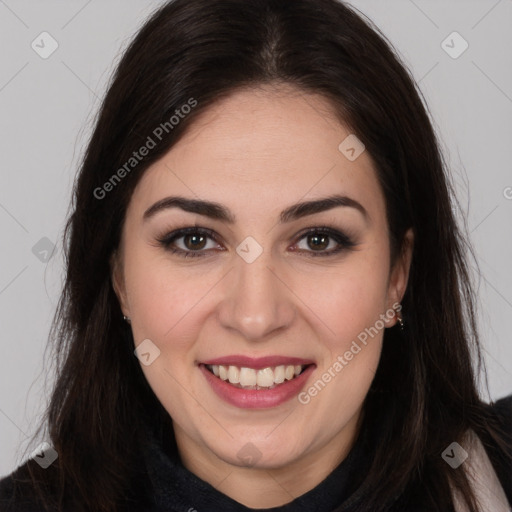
194 241
320 238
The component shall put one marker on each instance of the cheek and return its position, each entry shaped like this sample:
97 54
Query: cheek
165 302
347 299
161 298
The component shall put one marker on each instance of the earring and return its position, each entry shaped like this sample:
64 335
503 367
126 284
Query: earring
127 320
399 318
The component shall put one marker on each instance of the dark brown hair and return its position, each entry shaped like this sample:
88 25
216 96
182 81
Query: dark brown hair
424 395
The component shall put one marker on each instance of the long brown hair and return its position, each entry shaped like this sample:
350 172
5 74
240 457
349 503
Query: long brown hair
424 395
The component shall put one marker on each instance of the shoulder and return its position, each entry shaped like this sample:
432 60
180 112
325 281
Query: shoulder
17 491
500 413
503 410
500 452
14 491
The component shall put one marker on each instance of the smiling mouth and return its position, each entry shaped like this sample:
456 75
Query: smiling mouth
249 378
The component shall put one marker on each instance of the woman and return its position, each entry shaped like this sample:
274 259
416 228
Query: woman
267 303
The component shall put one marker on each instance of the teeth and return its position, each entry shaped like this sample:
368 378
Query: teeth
234 375
247 377
255 379
265 377
279 374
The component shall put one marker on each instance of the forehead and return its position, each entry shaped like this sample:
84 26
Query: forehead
261 147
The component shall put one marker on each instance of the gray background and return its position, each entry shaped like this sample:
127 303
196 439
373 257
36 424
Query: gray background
47 110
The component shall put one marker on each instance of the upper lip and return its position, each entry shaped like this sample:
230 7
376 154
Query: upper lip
257 362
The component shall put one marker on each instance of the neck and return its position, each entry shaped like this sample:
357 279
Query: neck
264 487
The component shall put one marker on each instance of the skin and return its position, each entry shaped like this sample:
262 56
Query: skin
258 152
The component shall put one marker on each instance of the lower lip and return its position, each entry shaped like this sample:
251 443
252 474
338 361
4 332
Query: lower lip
257 398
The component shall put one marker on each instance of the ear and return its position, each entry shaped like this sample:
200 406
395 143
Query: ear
118 283
400 272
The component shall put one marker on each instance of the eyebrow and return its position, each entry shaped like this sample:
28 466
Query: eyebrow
219 212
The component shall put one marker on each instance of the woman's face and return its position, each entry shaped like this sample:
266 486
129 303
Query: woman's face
259 286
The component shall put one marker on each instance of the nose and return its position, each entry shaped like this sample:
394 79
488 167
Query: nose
257 300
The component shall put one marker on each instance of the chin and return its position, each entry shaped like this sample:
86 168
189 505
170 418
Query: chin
260 451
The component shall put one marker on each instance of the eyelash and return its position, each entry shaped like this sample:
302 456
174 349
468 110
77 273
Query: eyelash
344 241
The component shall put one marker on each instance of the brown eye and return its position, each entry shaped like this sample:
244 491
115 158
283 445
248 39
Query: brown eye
317 241
320 242
194 241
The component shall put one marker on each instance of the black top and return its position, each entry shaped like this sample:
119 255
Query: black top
168 486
